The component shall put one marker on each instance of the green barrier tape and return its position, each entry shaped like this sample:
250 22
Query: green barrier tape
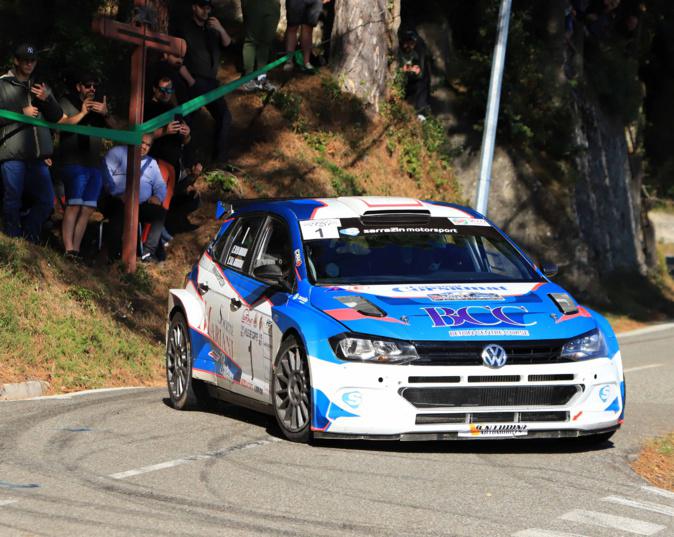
122 136
134 137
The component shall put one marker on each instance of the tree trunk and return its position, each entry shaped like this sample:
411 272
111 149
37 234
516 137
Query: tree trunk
363 37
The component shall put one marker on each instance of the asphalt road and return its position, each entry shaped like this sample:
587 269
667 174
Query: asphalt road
124 463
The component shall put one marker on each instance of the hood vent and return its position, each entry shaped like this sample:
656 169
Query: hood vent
384 218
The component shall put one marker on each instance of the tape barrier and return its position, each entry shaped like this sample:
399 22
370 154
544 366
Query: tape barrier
134 137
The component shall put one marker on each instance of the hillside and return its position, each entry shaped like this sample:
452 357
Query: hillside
79 326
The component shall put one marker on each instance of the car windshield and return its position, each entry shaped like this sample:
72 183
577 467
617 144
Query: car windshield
347 251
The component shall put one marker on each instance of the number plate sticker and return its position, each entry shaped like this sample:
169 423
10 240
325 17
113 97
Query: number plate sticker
320 229
495 430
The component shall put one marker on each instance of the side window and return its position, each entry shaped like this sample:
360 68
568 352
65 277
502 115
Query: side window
239 248
275 248
499 263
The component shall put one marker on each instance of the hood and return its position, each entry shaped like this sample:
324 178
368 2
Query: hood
456 311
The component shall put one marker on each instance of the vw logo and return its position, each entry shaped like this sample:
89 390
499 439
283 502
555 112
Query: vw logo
494 356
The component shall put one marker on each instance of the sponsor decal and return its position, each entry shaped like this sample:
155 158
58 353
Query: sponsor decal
218 275
605 392
299 298
234 262
225 367
477 316
240 251
353 399
320 229
438 288
350 231
487 333
469 222
503 430
463 297
409 229
298 258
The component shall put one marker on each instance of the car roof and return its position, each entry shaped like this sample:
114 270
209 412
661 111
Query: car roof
352 207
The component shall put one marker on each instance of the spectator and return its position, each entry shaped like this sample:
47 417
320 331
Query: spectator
302 15
24 149
171 146
260 20
79 159
171 66
415 67
205 38
151 196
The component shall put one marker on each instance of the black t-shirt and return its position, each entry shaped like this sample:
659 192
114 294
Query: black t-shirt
204 48
168 148
77 148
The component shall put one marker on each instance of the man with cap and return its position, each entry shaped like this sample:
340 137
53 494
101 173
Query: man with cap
24 148
205 38
415 67
78 158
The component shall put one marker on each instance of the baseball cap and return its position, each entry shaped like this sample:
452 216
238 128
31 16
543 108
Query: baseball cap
203 2
25 51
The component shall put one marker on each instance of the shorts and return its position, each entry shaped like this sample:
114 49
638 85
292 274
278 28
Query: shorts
304 12
82 184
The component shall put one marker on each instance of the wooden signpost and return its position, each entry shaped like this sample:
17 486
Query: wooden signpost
138 33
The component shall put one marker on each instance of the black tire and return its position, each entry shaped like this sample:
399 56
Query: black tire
291 391
185 392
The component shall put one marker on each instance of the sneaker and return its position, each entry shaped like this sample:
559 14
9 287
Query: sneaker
149 257
264 84
421 117
308 69
288 66
249 87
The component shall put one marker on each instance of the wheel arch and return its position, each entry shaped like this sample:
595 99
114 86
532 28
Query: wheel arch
191 307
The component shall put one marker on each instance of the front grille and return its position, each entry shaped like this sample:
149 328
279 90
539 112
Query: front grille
468 352
527 396
492 417
551 378
494 378
433 380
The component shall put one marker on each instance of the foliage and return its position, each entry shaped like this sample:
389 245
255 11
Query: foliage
221 182
290 106
344 183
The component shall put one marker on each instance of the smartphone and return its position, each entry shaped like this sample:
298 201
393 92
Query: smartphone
179 117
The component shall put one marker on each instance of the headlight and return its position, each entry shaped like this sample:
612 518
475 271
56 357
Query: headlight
590 345
382 351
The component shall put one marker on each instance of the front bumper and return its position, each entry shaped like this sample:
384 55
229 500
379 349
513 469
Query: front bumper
387 402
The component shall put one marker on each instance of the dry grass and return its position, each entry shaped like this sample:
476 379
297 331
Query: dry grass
656 462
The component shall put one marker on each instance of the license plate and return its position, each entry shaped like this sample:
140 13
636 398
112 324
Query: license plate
494 430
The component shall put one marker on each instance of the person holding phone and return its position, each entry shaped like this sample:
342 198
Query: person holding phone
25 149
78 158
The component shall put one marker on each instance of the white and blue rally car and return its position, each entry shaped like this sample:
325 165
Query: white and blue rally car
388 318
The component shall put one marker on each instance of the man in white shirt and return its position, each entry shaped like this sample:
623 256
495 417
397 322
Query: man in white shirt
151 197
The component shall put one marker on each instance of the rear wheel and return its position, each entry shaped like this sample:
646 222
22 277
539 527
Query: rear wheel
185 392
291 391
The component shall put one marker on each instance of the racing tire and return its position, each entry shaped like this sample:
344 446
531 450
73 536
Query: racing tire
291 391
185 392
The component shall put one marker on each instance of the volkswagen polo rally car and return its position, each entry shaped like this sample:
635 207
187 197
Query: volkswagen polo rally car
388 318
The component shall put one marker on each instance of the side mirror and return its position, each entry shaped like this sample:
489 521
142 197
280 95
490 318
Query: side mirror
271 274
549 269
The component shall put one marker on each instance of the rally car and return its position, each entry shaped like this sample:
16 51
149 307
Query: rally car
388 318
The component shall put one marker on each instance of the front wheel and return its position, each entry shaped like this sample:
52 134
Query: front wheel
291 391
185 392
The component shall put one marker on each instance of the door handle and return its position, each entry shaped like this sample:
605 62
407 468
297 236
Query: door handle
235 304
203 288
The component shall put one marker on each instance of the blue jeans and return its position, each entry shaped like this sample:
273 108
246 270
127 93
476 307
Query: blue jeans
26 179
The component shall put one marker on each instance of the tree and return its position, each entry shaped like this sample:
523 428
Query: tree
363 37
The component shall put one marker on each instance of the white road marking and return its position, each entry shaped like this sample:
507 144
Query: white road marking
649 366
7 502
605 520
193 458
535 532
659 492
647 506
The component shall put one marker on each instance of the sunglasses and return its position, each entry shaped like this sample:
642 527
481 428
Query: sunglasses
166 91
89 85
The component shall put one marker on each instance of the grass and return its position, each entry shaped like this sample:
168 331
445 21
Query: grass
63 333
656 462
